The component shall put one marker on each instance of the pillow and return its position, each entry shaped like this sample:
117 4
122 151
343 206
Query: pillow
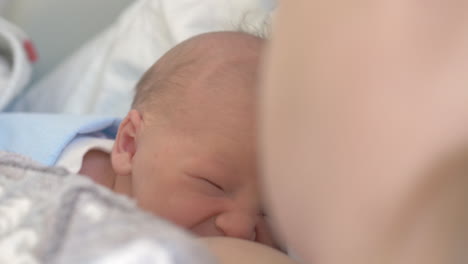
101 76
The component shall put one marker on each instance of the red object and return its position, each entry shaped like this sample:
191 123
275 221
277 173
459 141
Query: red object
30 51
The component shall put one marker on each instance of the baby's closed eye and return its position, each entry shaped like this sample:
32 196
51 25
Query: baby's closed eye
207 185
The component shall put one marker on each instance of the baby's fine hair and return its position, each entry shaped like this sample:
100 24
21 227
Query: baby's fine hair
165 71
255 23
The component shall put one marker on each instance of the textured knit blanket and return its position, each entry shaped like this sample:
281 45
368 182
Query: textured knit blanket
50 216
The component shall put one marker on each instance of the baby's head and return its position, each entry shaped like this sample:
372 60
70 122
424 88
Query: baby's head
187 149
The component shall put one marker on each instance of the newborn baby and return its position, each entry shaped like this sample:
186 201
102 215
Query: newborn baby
186 150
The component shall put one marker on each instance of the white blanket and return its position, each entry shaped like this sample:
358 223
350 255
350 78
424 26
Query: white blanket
50 216
101 76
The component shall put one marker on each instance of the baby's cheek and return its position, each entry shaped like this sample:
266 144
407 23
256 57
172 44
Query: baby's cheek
189 209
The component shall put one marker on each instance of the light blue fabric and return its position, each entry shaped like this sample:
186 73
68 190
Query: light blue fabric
43 137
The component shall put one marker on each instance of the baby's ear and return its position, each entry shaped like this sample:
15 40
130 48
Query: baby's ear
125 143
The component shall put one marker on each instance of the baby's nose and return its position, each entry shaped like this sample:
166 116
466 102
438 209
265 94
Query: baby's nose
237 224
